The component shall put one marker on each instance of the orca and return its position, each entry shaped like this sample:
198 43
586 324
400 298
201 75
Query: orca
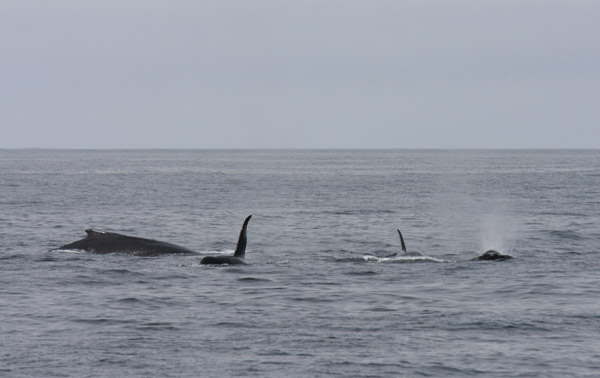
492 255
414 254
240 251
101 242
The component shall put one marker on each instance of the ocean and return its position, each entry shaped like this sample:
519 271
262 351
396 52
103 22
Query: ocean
325 293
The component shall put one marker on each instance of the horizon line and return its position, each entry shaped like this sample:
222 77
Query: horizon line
294 148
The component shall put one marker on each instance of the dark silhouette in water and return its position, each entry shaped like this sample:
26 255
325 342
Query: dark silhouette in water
109 242
240 250
404 247
492 255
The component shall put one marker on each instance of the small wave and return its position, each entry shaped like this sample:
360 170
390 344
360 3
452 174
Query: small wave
348 260
158 326
224 252
382 309
566 234
253 279
494 325
362 273
101 321
77 251
44 259
231 324
119 271
359 212
13 257
129 300
275 352
327 283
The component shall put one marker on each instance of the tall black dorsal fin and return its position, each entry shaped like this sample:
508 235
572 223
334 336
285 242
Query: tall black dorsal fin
240 249
402 241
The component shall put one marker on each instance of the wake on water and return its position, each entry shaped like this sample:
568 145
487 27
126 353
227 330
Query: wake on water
402 259
392 259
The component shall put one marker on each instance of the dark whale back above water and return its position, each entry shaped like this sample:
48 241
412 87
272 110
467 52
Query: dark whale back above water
492 255
109 242
240 250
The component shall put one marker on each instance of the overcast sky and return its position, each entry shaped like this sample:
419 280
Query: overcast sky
299 74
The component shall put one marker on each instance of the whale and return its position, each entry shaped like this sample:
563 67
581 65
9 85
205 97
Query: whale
492 255
405 253
101 242
239 255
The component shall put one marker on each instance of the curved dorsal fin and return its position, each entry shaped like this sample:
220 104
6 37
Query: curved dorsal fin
91 232
240 249
402 241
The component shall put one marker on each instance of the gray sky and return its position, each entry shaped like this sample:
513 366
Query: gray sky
299 74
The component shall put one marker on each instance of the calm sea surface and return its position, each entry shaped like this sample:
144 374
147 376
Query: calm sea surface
324 294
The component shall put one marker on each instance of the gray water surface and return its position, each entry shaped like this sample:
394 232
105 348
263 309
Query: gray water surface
324 293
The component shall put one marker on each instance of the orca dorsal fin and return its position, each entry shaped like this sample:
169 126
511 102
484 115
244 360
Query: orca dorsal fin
240 249
402 241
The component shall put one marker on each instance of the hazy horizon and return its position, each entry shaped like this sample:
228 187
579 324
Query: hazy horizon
310 75
297 149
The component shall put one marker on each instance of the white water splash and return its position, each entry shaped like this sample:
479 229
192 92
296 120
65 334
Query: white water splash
401 258
224 252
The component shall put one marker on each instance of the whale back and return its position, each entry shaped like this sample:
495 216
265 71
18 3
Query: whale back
492 255
101 242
